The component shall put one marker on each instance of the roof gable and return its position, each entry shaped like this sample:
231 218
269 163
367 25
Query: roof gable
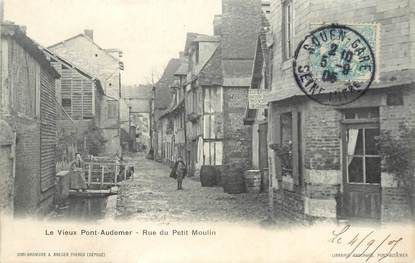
83 37
211 73
30 46
163 94
79 70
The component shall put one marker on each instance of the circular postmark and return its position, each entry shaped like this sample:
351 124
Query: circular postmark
334 65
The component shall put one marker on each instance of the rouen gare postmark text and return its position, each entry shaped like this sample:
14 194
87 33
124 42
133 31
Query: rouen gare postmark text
334 65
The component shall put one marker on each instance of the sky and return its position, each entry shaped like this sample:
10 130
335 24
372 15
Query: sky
149 32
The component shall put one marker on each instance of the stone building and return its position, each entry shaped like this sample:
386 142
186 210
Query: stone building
241 24
104 64
334 168
29 109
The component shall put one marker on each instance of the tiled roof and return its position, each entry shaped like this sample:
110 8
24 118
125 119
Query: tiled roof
52 47
206 38
241 25
182 70
211 73
78 69
262 53
189 39
163 94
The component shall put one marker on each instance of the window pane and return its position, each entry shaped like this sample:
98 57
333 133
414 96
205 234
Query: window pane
206 153
207 127
355 142
370 141
373 170
355 169
363 114
349 115
218 154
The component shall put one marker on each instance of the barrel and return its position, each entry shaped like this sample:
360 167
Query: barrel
219 177
252 180
232 177
208 176
234 184
265 180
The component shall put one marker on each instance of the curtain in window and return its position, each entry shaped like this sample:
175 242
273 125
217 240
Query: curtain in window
351 144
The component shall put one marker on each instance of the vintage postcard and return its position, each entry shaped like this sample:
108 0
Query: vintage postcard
207 131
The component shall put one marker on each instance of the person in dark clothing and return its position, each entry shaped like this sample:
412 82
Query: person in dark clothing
77 178
179 172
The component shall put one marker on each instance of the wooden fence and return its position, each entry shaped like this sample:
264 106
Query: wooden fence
105 174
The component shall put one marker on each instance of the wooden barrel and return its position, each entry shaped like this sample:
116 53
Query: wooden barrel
219 177
234 183
252 180
265 180
208 176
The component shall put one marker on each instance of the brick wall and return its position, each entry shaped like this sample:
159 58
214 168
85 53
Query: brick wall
397 41
237 145
312 196
321 125
321 137
395 204
6 168
289 205
322 153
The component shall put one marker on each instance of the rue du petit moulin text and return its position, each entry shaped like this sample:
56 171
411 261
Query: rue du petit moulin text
142 232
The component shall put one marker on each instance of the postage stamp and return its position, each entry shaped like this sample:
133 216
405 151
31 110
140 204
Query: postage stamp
335 64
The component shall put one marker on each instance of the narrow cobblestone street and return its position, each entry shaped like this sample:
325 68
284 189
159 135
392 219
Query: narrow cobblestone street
151 195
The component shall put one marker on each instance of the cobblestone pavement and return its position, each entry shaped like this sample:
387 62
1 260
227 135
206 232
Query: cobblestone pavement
151 195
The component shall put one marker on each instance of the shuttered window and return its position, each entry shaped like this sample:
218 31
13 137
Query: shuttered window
47 133
77 94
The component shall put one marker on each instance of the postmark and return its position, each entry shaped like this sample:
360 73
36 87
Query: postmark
334 65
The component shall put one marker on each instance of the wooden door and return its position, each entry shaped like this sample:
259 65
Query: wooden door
263 146
361 172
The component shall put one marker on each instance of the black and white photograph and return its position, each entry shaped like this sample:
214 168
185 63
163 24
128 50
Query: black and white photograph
207 131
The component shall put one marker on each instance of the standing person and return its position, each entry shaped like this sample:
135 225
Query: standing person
180 171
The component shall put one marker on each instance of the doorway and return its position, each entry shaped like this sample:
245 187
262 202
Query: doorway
361 172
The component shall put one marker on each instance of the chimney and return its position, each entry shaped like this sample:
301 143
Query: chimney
23 28
217 25
89 33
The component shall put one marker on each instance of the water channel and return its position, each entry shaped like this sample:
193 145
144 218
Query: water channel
83 209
